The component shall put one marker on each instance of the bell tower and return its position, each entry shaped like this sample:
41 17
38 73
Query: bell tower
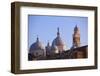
76 37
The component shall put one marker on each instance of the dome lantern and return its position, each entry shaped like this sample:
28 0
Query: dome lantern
58 34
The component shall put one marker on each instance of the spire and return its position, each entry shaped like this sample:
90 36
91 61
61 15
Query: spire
76 37
76 28
37 39
48 47
58 31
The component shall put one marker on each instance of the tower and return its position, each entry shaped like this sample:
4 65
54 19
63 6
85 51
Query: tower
48 49
76 37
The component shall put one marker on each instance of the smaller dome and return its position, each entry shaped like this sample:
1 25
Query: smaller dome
37 45
48 47
54 48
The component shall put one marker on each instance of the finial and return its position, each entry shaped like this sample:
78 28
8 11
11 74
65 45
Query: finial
58 31
37 38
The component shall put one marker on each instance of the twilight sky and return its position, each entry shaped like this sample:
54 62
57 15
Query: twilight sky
45 27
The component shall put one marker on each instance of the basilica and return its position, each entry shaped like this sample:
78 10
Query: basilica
57 50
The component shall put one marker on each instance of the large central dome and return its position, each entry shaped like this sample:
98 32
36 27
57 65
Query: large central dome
58 42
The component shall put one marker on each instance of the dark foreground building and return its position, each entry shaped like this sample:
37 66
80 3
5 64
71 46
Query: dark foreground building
76 53
57 50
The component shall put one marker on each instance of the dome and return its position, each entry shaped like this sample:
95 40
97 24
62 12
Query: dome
54 48
37 45
57 41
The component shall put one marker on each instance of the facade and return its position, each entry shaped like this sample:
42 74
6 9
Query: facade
57 50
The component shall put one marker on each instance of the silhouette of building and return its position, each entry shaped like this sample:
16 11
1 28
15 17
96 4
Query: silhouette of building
57 49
